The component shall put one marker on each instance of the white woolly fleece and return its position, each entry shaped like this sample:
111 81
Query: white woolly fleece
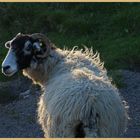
77 89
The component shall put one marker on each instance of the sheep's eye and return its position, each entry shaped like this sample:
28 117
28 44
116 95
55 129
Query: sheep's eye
40 44
28 46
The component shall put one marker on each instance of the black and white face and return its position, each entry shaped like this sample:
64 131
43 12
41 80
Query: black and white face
22 51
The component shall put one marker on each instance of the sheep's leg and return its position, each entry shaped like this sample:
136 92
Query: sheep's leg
54 130
69 130
91 127
72 130
79 131
90 133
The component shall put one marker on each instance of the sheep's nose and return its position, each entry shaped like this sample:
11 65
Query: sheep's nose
5 68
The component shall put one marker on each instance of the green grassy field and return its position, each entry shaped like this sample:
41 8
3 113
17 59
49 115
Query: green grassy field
112 29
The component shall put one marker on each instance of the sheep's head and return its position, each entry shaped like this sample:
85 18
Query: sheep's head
25 51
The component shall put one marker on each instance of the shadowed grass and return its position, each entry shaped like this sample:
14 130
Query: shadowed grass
110 28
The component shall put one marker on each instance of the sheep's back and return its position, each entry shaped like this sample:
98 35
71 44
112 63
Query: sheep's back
72 96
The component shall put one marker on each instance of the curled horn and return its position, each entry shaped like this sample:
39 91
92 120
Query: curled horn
45 40
42 37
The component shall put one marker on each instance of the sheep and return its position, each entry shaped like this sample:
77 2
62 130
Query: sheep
78 99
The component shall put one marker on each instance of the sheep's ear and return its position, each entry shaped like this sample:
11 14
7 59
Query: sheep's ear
18 34
7 44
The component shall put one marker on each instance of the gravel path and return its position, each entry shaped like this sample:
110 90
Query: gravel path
131 93
18 119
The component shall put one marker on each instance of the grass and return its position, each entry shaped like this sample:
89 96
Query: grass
116 78
110 28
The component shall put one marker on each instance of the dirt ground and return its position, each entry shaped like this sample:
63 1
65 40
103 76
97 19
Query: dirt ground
19 117
131 93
